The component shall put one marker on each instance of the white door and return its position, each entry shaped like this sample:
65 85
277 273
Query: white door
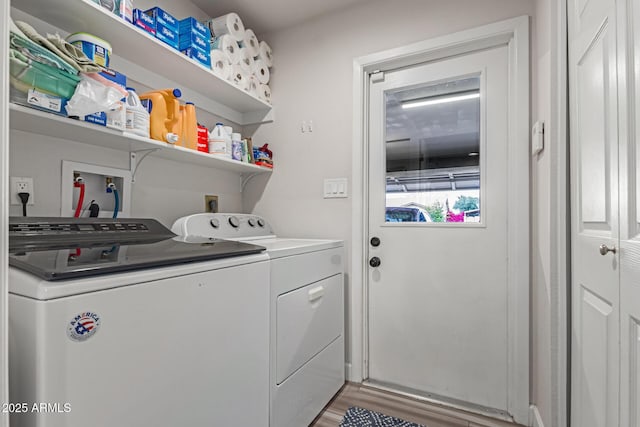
630 244
594 165
438 300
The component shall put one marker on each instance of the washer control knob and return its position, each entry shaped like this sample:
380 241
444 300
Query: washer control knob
375 262
261 222
234 221
252 222
375 241
215 223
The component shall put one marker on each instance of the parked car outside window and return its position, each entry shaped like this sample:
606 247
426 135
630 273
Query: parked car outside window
406 214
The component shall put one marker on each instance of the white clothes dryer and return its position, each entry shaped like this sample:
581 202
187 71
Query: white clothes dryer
307 356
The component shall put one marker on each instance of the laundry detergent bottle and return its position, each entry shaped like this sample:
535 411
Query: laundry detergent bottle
189 126
165 118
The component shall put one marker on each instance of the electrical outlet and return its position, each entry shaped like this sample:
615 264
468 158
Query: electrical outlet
210 203
21 185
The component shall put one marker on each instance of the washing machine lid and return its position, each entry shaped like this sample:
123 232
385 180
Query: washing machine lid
69 248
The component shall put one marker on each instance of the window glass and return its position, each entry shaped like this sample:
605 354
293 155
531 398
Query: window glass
432 141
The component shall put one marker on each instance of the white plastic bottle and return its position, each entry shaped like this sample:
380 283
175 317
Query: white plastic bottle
218 140
229 140
236 146
137 116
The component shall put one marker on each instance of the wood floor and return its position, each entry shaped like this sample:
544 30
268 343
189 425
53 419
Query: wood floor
407 408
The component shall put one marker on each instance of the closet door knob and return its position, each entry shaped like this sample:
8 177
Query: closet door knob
604 249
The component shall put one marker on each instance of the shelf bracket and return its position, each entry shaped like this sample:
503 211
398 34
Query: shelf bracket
246 179
135 160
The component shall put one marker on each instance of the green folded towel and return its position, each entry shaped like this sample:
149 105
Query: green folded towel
27 74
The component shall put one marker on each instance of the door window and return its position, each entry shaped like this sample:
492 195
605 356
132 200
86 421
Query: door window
432 140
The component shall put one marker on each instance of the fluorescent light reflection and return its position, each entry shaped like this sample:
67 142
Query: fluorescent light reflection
443 100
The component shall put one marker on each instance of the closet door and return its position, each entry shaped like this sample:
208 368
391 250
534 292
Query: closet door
595 229
630 231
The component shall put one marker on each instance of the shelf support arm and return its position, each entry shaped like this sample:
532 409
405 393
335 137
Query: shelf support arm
134 160
246 179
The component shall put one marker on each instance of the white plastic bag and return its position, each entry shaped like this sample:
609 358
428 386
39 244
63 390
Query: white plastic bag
91 97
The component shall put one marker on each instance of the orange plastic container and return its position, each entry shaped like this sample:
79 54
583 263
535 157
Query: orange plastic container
165 117
189 126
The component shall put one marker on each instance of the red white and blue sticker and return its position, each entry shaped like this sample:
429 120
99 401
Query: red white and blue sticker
83 326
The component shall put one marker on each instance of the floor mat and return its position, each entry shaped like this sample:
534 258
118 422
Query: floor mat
360 417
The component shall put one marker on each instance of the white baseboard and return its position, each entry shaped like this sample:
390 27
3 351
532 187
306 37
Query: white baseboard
347 371
535 420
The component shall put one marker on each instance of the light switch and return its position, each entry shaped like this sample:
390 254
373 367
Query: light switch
335 188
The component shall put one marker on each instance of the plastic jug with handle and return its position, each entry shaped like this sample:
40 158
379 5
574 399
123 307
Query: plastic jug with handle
137 116
218 140
189 126
165 117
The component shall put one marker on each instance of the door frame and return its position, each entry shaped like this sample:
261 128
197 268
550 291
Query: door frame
514 33
5 8
560 220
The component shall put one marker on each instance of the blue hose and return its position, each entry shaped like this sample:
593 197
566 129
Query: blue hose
116 207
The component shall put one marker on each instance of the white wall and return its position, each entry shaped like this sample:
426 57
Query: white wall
540 263
549 268
163 189
312 80
178 9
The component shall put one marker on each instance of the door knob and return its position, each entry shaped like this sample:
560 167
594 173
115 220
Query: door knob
374 262
604 249
375 241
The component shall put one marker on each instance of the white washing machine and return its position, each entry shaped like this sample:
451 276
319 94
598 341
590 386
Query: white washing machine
307 312
121 323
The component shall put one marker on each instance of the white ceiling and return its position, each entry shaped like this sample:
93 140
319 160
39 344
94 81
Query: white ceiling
264 16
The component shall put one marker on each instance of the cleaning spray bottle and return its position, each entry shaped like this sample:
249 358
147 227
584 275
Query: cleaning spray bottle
165 118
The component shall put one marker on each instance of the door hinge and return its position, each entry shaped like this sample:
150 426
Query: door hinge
376 76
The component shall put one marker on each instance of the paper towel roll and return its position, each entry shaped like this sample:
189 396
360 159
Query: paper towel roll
220 64
261 71
266 54
227 24
246 79
250 41
265 93
228 44
245 60
253 86
239 77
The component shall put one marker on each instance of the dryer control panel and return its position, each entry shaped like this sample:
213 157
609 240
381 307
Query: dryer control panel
223 226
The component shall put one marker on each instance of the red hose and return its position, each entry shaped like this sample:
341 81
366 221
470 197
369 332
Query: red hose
80 198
